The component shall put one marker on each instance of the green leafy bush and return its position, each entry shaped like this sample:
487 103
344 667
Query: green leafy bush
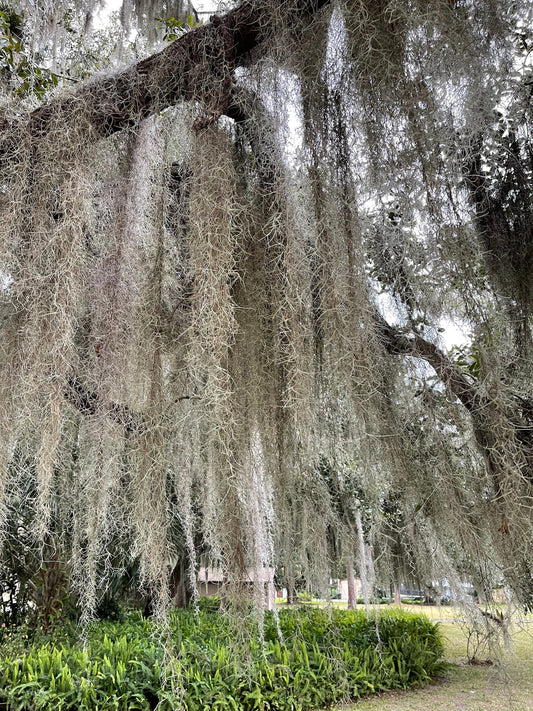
322 658
374 601
207 604
109 608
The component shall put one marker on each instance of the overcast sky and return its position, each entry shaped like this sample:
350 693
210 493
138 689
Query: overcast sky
207 6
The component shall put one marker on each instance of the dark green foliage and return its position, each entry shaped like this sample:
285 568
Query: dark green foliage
207 604
323 658
109 608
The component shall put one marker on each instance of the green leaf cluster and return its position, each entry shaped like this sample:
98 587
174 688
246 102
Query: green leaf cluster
468 358
173 28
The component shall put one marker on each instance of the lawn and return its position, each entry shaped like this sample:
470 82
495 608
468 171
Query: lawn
506 687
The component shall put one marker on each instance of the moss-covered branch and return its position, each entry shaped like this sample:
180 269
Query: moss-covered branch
490 419
180 72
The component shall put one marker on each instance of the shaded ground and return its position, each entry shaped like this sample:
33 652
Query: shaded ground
506 687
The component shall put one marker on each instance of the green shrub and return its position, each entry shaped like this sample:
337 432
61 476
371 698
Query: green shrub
322 658
304 596
408 601
207 604
374 601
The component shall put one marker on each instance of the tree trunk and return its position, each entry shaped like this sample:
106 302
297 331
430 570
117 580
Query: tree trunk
350 576
397 598
291 592
179 590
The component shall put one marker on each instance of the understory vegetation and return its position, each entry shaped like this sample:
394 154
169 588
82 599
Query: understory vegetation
305 659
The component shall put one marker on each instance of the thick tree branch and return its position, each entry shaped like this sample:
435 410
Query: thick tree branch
88 403
178 73
459 385
486 415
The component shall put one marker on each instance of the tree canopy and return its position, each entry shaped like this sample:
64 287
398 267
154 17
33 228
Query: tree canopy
266 292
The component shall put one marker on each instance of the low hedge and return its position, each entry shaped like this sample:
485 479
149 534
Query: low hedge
321 658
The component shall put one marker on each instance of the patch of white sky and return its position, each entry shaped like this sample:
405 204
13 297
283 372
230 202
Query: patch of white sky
205 7
108 7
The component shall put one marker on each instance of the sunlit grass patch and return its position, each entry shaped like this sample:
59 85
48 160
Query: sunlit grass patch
505 685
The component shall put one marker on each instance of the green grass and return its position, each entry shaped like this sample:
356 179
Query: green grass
505 687
433 612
